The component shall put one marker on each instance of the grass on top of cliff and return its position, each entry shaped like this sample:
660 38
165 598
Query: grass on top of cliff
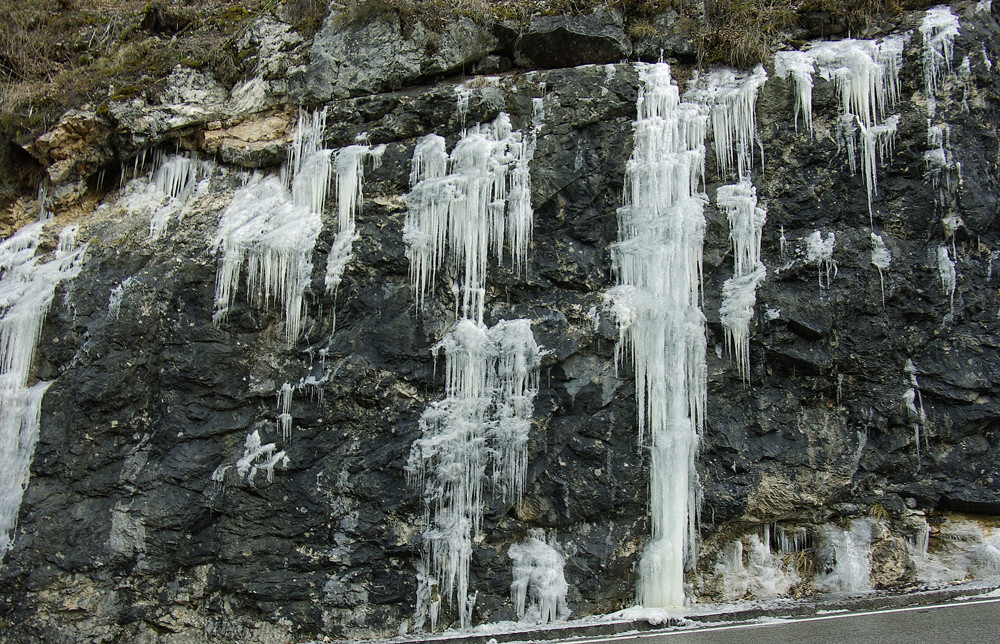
60 54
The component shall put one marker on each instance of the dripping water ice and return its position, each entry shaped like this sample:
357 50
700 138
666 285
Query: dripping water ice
739 293
657 259
819 249
938 29
478 433
866 75
272 224
468 204
27 288
538 574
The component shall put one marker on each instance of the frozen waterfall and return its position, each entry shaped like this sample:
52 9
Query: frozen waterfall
478 433
27 288
658 263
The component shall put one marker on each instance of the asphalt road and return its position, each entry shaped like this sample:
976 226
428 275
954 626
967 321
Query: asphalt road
975 621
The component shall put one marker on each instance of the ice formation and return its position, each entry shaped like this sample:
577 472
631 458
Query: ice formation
866 74
938 29
800 66
881 258
732 98
259 457
820 250
478 433
264 230
946 271
940 162
284 411
116 297
657 259
272 224
468 204
44 213
349 172
27 288
964 548
538 574
166 192
914 403
762 575
739 293
844 558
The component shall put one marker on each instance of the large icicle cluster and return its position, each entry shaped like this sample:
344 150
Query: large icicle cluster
465 205
538 574
658 260
938 30
165 193
26 292
478 433
733 100
461 208
272 224
866 74
739 293
844 558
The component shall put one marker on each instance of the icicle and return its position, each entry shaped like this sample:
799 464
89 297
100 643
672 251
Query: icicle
350 174
938 29
470 202
739 293
800 66
273 237
820 250
284 411
44 214
845 558
538 572
881 258
491 380
258 457
117 296
658 263
165 194
866 74
27 289
732 99
946 271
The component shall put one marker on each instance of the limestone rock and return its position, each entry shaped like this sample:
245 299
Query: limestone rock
75 147
349 60
258 140
570 40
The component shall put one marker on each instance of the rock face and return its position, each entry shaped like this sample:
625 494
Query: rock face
131 529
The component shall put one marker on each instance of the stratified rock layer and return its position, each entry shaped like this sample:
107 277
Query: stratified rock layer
131 528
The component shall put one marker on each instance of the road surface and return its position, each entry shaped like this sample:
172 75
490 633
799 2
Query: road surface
959 622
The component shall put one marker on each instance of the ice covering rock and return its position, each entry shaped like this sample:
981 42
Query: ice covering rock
866 75
881 258
819 249
27 288
467 205
739 293
938 29
165 193
657 259
844 558
732 97
755 571
258 457
946 271
538 574
478 433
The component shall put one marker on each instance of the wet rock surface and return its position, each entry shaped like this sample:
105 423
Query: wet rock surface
132 528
